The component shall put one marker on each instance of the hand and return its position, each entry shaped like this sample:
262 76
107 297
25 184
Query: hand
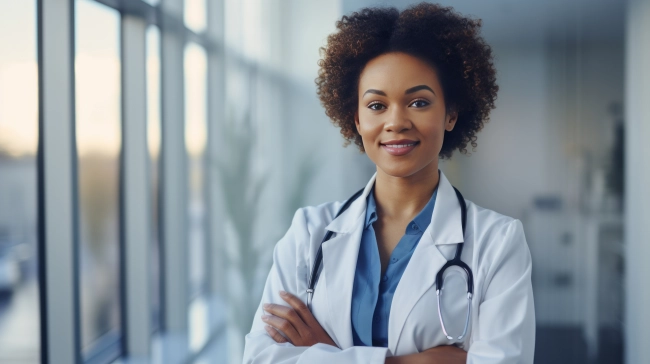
447 354
297 323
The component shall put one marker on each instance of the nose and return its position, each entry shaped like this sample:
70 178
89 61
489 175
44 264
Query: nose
397 120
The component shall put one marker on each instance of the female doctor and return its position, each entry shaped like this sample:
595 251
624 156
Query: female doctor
407 88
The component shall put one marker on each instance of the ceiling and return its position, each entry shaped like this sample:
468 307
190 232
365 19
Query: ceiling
521 21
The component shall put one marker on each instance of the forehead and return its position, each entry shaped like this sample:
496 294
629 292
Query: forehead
397 72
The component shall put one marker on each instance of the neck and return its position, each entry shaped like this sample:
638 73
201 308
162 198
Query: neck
402 198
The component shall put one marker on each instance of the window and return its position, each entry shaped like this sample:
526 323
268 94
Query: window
19 294
195 11
153 136
195 142
98 136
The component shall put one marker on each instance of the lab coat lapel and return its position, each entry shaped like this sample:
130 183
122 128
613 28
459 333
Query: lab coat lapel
339 265
420 273
446 221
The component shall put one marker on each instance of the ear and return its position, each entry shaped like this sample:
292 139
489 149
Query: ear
356 121
450 120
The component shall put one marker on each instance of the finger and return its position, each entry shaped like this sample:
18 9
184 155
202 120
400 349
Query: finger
287 313
275 335
300 307
283 326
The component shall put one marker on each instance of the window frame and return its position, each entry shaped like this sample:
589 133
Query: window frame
59 287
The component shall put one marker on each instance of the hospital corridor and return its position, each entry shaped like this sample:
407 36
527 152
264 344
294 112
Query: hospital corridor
154 152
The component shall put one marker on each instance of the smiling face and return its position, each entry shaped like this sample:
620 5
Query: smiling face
401 115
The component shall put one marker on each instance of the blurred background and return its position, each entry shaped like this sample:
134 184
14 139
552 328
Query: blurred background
153 152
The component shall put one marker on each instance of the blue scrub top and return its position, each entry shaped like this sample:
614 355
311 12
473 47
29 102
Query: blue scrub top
372 293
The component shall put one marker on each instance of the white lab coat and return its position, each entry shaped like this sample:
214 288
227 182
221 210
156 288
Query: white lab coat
502 324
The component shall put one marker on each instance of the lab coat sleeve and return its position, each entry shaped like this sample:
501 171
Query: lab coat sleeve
505 331
260 347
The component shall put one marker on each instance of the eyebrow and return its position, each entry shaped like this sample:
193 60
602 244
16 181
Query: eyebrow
373 91
408 91
418 88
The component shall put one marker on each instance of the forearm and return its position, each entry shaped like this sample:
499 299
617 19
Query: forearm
437 355
261 349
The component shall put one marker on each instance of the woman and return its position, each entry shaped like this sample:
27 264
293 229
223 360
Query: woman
407 88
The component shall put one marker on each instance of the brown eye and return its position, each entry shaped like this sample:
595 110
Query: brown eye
376 106
420 103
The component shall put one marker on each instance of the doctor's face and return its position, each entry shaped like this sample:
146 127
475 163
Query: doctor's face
401 115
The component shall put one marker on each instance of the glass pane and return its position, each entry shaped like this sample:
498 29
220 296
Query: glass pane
195 141
153 136
97 70
19 296
195 15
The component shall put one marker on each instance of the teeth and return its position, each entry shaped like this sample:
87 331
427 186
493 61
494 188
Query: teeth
399 145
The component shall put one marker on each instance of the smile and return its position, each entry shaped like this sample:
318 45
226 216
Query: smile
400 145
399 149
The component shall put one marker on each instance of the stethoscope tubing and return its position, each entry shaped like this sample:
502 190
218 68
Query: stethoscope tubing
456 261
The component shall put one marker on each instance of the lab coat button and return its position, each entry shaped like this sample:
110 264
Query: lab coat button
384 278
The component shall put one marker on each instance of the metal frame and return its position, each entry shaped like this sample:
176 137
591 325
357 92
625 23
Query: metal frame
637 178
57 178
216 113
136 215
172 183
57 185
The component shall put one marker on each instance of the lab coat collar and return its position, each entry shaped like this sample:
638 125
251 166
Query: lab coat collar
341 252
346 222
446 224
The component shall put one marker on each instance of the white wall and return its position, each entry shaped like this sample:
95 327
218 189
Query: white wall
340 171
637 229
516 136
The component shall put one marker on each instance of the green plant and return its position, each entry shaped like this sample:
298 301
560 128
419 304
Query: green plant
241 190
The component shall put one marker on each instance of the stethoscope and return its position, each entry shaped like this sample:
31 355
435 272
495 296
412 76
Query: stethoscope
456 261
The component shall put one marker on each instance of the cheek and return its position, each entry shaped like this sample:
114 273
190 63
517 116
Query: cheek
367 128
366 137
434 134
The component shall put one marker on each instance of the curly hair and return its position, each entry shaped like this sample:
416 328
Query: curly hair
439 36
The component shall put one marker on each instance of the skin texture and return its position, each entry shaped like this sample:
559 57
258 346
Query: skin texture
448 41
297 323
403 185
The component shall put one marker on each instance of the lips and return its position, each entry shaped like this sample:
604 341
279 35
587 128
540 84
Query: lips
399 147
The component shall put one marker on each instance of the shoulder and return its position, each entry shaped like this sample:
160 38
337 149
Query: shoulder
485 221
308 224
316 218
496 237
313 220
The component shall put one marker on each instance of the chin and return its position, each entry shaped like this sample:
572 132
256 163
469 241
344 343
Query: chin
405 168
401 170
